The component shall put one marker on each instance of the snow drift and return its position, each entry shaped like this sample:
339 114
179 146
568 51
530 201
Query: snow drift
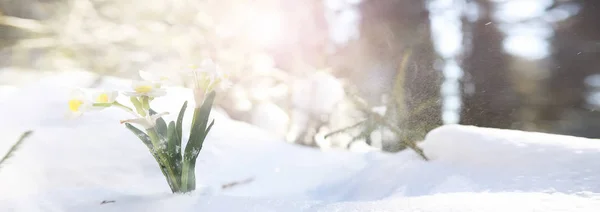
75 165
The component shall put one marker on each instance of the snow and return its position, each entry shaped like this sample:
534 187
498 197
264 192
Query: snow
492 202
6 90
268 116
75 165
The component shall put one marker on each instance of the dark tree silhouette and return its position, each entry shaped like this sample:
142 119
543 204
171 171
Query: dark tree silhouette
489 99
393 29
377 66
576 53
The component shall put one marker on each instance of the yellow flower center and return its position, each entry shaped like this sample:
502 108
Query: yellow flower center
143 89
102 98
75 104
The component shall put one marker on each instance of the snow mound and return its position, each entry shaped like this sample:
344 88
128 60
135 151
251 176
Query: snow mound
500 147
517 159
75 165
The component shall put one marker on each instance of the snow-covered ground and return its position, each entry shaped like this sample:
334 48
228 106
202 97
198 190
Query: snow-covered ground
75 165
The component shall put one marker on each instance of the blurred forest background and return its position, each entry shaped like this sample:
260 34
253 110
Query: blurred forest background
338 73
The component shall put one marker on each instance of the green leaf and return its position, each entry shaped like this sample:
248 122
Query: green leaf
174 150
173 183
173 146
189 166
198 131
194 146
203 137
178 126
142 136
208 129
171 138
161 126
188 178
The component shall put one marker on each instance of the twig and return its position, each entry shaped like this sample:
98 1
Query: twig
399 132
14 148
379 119
345 129
236 183
107 201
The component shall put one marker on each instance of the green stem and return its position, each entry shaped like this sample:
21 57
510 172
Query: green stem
128 109
184 175
172 177
138 105
186 163
122 106
145 103
102 104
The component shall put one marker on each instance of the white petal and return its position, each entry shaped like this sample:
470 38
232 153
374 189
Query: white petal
112 96
80 95
208 65
86 106
158 115
162 78
135 94
77 94
136 84
72 115
96 108
157 93
141 121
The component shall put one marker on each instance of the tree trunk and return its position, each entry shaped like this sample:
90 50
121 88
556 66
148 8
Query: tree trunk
576 53
393 30
489 99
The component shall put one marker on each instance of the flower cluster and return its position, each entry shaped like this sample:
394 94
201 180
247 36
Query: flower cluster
163 140
206 78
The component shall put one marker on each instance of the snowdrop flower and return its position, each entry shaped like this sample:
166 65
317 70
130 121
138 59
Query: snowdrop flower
159 79
105 97
147 122
207 77
221 80
146 88
77 103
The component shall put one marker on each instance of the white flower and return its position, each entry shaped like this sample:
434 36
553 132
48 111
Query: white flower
221 80
147 122
105 97
209 76
146 88
158 78
77 103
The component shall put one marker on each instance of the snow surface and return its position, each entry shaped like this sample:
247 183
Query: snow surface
75 165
